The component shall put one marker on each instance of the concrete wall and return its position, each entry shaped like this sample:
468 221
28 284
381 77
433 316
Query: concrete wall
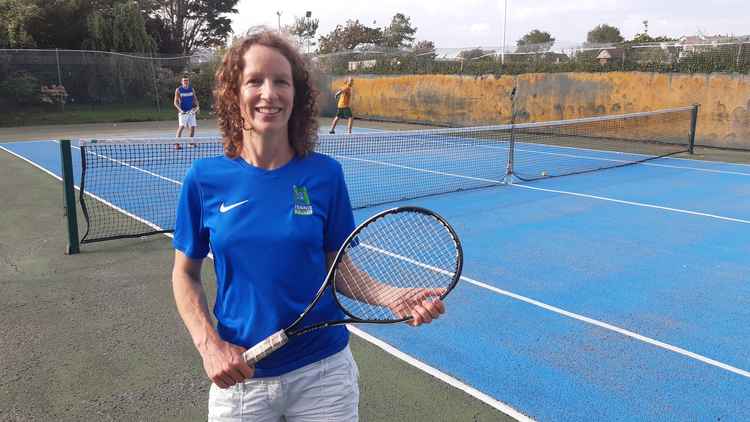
724 116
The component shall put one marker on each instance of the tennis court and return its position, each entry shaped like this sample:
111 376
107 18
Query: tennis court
613 295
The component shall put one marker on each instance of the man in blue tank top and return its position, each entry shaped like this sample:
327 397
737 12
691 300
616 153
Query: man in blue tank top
186 103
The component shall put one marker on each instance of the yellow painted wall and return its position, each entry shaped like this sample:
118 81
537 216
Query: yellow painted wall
724 116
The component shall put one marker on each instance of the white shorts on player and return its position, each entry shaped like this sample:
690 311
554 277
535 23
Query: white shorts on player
187 119
321 391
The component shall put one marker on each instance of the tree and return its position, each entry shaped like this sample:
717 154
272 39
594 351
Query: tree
424 56
75 24
399 33
122 30
21 88
425 48
474 53
644 37
535 41
182 26
59 24
349 37
14 17
304 29
604 34
424 45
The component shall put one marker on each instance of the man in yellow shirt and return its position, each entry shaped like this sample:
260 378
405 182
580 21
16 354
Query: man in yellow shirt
343 106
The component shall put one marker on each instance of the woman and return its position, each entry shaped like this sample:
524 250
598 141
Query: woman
274 213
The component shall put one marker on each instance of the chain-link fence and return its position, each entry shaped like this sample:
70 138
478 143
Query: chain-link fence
38 77
73 77
732 56
72 80
60 80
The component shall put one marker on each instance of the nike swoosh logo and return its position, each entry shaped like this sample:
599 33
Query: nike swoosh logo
224 208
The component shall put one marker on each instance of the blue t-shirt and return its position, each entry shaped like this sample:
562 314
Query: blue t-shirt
269 231
186 97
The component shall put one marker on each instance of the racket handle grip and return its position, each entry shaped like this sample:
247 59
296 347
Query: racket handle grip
271 344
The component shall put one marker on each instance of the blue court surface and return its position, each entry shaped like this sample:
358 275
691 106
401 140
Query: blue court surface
620 295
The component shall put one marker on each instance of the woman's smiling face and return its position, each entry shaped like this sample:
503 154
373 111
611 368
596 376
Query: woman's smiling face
266 90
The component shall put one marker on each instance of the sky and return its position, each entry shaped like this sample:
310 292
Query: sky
474 23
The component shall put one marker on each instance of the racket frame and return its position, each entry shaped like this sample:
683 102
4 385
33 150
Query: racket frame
281 337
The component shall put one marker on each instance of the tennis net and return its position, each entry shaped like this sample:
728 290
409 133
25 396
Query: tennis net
567 147
130 187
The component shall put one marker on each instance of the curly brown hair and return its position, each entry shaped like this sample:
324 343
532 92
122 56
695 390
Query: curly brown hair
303 126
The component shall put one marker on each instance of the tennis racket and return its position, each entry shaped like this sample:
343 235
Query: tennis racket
393 261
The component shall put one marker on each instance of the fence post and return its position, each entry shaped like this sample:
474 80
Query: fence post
61 97
156 83
739 55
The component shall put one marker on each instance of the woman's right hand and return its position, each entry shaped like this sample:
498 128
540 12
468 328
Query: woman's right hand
224 364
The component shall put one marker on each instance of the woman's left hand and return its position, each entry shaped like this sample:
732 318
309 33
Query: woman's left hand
424 305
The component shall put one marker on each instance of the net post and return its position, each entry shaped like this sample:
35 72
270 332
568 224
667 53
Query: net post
693 125
509 167
511 143
69 201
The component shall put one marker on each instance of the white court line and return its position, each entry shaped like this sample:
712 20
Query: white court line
387 164
602 198
551 148
690 160
35 141
440 375
647 163
123 163
611 327
379 343
705 170
115 207
641 204
607 326
409 260
44 169
582 318
637 204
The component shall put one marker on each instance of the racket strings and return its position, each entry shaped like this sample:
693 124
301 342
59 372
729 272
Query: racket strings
396 262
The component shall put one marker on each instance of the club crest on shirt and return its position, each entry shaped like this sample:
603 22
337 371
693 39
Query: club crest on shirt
302 204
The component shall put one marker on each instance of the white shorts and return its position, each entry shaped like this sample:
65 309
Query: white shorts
187 119
326 390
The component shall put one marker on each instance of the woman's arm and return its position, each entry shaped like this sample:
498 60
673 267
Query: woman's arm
423 305
222 361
